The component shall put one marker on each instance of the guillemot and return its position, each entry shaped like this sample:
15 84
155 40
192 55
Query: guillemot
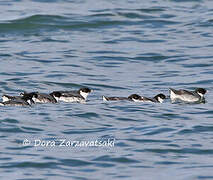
156 99
137 98
187 96
114 98
6 97
41 97
25 100
72 96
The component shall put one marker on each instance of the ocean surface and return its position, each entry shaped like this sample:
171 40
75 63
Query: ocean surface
116 48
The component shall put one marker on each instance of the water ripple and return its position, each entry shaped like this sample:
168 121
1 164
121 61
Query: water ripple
117 49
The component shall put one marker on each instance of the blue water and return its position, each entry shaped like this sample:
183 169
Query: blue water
115 48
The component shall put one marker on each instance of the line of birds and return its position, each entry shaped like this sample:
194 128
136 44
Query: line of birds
80 96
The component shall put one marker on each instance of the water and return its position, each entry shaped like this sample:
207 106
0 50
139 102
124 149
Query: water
116 48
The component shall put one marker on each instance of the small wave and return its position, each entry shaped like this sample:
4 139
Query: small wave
29 165
117 160
148 140
87 115
152 10
86 131
159 131
53 22
181 151
31 22
196 130
74 162
152 57
12 130
10 121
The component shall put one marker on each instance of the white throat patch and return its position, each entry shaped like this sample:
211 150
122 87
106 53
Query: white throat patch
136 100
200 94
56 98
4 99
160 99
34 99
84 95
29 102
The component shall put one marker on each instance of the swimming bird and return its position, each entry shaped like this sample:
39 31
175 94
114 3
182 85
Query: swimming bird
187 96
6 97
42 97
157 99
105 98
25 100
137 98
72 96
132 97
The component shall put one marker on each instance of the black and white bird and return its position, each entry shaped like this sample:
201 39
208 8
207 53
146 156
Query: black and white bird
23 100
72 96
187 96
114 98
43 97
157 99
137 98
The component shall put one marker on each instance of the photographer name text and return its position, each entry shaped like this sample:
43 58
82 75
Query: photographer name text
68 143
